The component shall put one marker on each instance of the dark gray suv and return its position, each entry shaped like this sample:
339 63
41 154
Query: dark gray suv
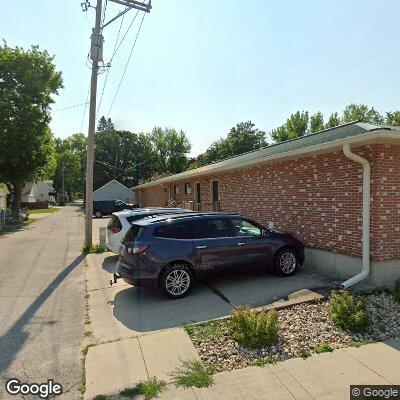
169 251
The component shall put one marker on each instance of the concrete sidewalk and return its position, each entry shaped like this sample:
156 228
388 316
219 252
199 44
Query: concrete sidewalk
321 377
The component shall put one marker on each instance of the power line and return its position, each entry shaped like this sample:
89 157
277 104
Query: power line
108 70
84 111
126 65
67 108
127 31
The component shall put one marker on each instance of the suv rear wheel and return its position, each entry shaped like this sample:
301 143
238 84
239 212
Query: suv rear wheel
286 262
176 281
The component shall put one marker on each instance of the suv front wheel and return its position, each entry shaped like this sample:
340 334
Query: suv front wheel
176 281
286 262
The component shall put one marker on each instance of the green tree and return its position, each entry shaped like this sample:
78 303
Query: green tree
393 118
170 150
71 163
333 121
28 79
241 138
361 113
295 126
125 156
105 124
316 122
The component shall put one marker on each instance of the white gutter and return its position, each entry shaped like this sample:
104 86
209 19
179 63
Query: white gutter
366 210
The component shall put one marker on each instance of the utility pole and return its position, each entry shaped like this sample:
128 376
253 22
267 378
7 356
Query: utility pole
96 55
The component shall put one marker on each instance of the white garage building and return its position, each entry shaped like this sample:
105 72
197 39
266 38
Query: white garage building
114 190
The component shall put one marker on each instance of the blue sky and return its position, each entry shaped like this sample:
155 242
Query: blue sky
203 66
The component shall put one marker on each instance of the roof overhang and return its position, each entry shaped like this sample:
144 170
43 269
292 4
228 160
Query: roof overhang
376 136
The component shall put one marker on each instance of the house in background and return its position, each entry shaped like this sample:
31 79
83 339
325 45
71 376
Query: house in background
29 193
40 192
317 187
114 190
45 191
4 192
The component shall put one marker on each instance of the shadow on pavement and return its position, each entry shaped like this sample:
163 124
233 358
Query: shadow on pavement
16 335
144 310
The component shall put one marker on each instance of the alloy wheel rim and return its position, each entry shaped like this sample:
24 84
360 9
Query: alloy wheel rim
287 262
177 282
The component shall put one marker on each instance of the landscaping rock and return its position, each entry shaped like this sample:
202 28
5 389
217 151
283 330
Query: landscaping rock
302 328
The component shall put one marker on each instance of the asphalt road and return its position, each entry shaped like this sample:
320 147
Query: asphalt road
42 302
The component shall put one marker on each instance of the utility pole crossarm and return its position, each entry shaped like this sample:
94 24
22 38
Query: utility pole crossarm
146 7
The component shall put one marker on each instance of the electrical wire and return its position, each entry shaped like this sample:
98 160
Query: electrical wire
126 65
67 108
123 38
108 70
84 111
104 13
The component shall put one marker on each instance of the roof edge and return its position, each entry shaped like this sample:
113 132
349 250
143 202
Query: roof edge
378 132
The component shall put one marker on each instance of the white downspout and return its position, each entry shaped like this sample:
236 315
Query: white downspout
366 210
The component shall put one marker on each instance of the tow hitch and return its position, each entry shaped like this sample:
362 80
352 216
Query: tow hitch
114 280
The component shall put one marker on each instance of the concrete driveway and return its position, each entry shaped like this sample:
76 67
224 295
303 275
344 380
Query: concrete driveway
123 311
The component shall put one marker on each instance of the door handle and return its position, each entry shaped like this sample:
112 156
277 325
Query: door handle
201 247
241 243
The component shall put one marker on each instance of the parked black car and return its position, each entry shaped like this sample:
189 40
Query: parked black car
107 207
169 251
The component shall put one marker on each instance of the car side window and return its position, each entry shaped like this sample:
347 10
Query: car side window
212 228
242 227
177 230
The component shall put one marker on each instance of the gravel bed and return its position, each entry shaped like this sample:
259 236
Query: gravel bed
302 328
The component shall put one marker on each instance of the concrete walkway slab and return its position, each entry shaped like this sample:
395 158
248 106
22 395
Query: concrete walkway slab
259 288
111 367
164 351
387 364
99 271
103 324
294 387
329 375
252 383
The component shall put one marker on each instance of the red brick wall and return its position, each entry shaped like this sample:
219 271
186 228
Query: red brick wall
318 199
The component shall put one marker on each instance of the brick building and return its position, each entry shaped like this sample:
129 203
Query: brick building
318 188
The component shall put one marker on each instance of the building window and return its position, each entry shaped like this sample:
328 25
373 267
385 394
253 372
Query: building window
214 191
188 188
176 190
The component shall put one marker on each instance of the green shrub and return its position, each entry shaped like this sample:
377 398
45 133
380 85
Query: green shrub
396 293
324 348
263 361
304 353
100 397
193 373
254 329
149 389
94 248
348 312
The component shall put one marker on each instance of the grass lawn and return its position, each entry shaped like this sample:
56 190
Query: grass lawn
15 227
44 210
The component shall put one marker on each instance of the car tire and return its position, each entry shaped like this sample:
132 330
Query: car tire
176 280
98 214
286 262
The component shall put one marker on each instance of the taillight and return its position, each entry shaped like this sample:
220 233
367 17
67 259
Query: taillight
137 249
116 230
